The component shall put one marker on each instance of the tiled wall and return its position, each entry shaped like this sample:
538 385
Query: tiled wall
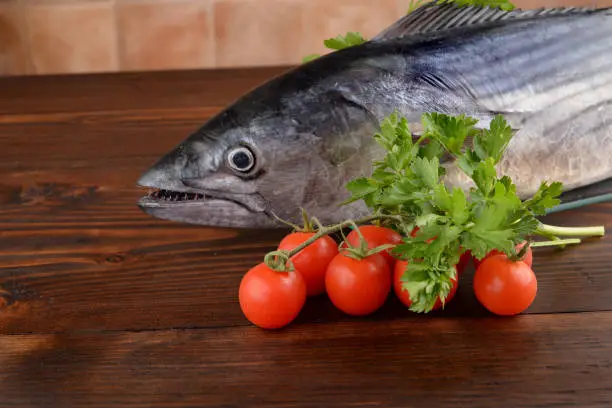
74 36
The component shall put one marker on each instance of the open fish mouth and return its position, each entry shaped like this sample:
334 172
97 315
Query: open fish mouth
162 196
208 208
159 197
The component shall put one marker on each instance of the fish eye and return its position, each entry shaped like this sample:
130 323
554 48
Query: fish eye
241 159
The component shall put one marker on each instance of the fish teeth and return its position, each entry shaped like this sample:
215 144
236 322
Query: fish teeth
169 195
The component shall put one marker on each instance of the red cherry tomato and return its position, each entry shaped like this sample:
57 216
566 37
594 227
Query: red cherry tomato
504 287
311 261
528 258
358 287
271 299
376 236
404 296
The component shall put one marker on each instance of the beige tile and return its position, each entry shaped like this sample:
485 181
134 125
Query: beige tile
72 38
274 32
13 41
258 32
404 5
61 1
165 35
325 19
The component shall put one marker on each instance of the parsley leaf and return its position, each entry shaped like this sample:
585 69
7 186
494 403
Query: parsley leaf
490 231
427 170
450 131
362 189
545 198
458 210
493 142
485 176
341 42
310 57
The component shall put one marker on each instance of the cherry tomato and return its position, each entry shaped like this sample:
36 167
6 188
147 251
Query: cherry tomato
271 299
358 287
311 261
376 236
404 296
504 287
528 258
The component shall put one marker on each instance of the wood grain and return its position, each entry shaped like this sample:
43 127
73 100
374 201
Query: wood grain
529 361
102 305
129 90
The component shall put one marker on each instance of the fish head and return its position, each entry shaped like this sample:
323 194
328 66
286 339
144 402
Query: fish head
247 167
220 174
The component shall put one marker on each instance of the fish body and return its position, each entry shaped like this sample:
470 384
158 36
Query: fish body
296 140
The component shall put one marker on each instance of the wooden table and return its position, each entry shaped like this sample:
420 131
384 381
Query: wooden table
106 306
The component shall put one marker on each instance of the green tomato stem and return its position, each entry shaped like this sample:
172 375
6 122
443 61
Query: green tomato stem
521 254
548 230
306 221
287 223
333 228
272 259
557 242
278 260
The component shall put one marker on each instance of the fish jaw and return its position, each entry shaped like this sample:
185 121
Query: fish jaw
207 210
169 198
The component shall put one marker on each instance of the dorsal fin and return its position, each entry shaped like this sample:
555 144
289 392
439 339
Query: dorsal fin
434 17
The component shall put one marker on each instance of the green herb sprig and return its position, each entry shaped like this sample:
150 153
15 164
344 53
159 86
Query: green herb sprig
338 43
407 185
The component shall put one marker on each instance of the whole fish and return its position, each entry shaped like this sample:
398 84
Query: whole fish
295 141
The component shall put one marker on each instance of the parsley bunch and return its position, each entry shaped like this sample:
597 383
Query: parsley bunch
407 184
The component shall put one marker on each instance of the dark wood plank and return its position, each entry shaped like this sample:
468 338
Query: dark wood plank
528 361
129 90
67 141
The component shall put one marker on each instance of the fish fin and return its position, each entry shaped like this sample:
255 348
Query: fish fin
595 193
435 17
